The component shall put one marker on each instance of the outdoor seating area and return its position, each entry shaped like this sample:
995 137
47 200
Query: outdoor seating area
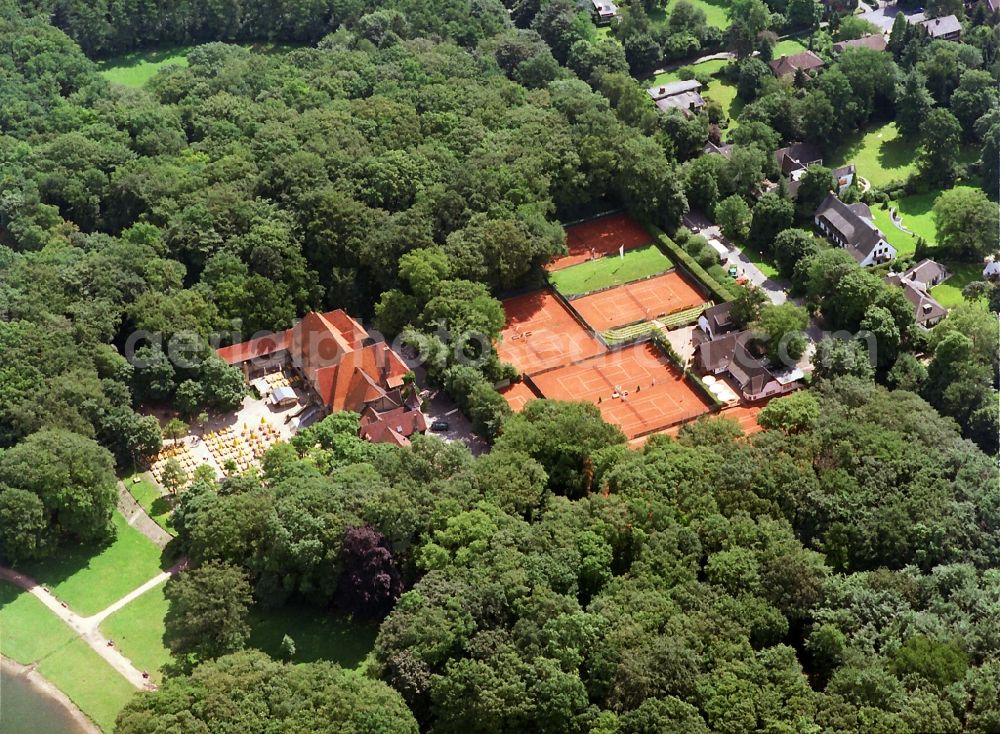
184 456
245 446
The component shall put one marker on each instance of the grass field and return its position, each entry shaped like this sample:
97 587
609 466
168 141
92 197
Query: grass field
137 68
880 154
138 628
610 271
90 683
88 581
318 635
715 12
151 499
34 635
787 47
949 293
29 630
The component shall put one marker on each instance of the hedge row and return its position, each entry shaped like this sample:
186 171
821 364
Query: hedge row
720 292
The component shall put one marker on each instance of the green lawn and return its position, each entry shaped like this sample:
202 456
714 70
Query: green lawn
788 47
34 635
29 630
610 271
89 580
318 635
880 154
763 262
152 499
949 293
138 628
136 68
715 12
90 683
905 243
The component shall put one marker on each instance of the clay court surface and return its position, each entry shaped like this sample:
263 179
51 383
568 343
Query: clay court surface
657 396
600 236
517 395
640 301
541 333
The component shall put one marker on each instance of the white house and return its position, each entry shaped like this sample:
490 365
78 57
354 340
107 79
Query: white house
851 226
991 271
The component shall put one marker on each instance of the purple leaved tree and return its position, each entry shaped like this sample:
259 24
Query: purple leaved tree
369 581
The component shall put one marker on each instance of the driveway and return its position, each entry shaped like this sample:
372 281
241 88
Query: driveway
884 15
775 288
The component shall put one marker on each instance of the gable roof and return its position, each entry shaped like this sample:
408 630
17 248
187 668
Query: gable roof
343 364
719 317
944 26
925 308
853 223
669 89
730 353
797 156
874 41
393 426
788 65
725 150
926 272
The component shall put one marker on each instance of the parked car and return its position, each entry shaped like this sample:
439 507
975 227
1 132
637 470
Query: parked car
439 426
733 271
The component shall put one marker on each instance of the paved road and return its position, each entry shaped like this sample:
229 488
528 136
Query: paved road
86 628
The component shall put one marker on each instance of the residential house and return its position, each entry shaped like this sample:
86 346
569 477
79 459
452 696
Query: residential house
683 95
716 321
916 283
344 367
945 28
874 41
851 226
991 267
730 356
395 426
793 161
787 66
725 149
604 11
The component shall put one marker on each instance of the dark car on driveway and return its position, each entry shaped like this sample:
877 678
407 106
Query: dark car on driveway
439 426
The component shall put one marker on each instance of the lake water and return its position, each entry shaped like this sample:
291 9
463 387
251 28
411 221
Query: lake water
26 710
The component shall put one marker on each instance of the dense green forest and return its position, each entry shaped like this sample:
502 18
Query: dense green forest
408 161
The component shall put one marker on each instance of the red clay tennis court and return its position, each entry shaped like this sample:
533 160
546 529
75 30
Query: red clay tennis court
642 300
600 237
541 333
651 393
517 395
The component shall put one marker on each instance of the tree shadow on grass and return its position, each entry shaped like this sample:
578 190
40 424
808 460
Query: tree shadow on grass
318 635
896 153
138 58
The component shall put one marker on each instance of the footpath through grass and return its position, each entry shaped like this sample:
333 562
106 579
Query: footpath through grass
90 579
33 635
152 499
92 684
610 271
138 629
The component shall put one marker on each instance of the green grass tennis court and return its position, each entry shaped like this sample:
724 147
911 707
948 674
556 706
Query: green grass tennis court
611 270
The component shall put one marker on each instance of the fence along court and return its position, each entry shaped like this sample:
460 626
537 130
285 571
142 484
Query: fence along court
642 300
636 388
599 237
541 333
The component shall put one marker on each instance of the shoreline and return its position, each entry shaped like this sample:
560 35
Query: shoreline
48 689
